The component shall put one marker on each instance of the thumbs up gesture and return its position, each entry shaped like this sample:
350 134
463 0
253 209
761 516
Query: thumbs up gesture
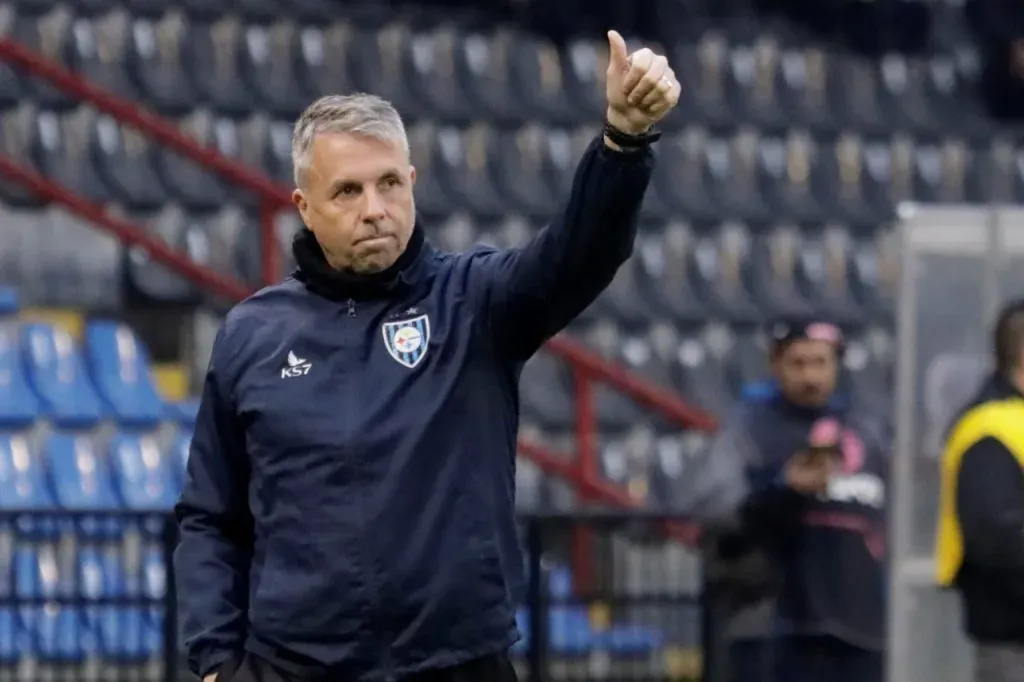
640 87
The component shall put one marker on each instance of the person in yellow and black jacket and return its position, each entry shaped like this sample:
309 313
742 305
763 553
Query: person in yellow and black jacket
980 540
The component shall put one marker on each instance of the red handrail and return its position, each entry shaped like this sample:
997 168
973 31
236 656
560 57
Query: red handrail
588 367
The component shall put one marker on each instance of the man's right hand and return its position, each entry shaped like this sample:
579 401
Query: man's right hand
808 473
212 677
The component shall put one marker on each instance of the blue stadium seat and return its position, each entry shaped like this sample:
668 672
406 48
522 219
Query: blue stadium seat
120 367
23 483
144 475
14 643
19 405
125 632
81 476
57 374
57 632
568 624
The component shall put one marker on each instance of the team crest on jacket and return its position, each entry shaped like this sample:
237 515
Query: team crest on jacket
406 340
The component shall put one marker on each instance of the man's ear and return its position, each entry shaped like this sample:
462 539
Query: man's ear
299 199
412 175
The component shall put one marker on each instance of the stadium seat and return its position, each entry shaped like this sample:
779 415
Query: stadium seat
23 484
19 406
546 392
16 126
99 45
124 632
427 62
124 161
214 58
120 367
57 632
156 59
186 181
14 645
59 147
144 475
49 34
56 372
157 282
81 475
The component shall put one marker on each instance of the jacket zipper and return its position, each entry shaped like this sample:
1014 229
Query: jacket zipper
387 662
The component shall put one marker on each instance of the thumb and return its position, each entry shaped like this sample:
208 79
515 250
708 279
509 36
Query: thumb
618 58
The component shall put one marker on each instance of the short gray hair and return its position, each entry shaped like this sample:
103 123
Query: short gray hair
359 114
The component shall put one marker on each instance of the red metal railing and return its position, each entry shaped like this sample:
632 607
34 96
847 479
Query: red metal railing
588 368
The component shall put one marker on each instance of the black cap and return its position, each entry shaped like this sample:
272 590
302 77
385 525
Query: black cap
785 331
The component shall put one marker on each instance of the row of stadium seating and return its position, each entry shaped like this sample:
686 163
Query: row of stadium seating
736 74
45 376
746 175
72 472
48 580
683 273
90 602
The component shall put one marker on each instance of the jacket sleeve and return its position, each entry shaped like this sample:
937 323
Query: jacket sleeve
534 291
990 506
214 553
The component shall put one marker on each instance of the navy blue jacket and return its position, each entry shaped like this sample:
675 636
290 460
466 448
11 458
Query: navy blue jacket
349 502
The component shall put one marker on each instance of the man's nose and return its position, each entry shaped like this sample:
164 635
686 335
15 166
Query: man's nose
374 207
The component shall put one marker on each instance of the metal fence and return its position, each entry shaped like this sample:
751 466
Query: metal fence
958 265
87 597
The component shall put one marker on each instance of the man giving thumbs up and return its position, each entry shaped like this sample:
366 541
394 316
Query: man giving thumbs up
388 549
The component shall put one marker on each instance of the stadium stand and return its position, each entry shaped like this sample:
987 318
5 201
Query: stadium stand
775 185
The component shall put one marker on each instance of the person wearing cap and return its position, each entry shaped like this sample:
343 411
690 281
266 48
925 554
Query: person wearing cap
793 493
980 538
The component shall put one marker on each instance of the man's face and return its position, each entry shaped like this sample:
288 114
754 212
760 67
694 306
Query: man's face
357 199
807 372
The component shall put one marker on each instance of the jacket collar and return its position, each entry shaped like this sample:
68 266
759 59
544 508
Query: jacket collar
338 285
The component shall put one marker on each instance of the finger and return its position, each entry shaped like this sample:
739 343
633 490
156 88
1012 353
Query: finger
668 102
639 63
660 91
618 58
648 81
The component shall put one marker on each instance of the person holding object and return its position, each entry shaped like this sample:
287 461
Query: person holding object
348 509
793 493
980 538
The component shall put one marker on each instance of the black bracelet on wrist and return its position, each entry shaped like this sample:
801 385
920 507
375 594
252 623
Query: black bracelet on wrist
629 141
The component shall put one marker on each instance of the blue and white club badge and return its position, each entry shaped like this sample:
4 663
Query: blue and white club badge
406 340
